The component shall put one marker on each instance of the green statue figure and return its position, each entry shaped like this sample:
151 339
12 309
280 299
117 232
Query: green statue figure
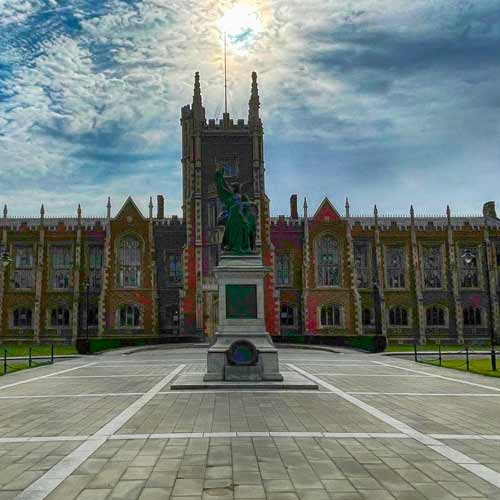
238 217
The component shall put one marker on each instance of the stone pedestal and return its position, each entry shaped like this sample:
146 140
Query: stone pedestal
243 350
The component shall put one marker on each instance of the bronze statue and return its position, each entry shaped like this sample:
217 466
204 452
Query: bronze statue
238 217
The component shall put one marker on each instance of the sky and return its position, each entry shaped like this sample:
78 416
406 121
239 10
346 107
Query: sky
393 102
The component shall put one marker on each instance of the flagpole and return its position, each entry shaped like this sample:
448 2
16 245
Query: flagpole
225 75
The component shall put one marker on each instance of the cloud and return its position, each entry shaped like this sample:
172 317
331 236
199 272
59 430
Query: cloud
364 96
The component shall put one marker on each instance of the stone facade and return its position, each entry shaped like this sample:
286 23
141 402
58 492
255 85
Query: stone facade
438 277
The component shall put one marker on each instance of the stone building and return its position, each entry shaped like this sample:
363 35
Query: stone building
151 276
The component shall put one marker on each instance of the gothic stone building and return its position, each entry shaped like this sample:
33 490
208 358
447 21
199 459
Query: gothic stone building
137 276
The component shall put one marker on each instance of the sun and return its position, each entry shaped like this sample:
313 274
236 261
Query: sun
241 23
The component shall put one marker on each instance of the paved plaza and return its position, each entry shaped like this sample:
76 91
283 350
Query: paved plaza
379 428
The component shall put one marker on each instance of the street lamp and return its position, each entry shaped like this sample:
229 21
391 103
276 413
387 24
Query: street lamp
378 309
86 285
468 257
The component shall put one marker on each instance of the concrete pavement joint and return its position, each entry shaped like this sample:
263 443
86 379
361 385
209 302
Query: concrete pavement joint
451 454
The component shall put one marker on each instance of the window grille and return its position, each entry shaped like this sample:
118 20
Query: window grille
96 257
23 276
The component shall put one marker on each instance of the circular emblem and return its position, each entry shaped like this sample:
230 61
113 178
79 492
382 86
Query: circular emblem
242 353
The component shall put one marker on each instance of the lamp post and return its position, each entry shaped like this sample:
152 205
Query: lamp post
86 285
378 309
468 257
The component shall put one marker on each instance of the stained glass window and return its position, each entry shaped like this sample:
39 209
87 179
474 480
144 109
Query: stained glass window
436 316
395 263
469 272
174 265
433 266
282 269
59 316
328 262
398 316
331 315
130 316
130 262
61 258
24 273
23 317
96 253
472 316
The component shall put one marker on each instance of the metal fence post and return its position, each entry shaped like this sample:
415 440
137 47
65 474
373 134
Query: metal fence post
52 354
467 357
415 350
440 357
29 363
4 361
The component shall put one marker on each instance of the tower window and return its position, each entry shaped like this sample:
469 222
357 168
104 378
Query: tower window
174 268
230 168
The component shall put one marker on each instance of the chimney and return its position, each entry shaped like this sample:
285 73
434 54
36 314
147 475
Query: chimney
160 207
489 209
294 214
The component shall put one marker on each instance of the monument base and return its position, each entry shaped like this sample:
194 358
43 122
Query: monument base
243 350
291 381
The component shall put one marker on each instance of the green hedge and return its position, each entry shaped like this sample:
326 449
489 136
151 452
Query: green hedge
97 345
370 343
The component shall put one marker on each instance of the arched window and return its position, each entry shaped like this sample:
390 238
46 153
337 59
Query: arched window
328 262
129 316
59 316
398 316
472 316
287 315
130 262
436 316
368 317
331 315
23 318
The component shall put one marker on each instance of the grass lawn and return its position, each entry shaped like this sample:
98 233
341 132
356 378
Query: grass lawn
15 366
434 347
481 366
37 350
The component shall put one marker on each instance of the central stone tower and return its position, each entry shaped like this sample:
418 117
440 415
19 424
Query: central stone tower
237 147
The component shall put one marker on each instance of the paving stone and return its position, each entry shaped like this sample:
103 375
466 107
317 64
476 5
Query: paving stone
186 487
